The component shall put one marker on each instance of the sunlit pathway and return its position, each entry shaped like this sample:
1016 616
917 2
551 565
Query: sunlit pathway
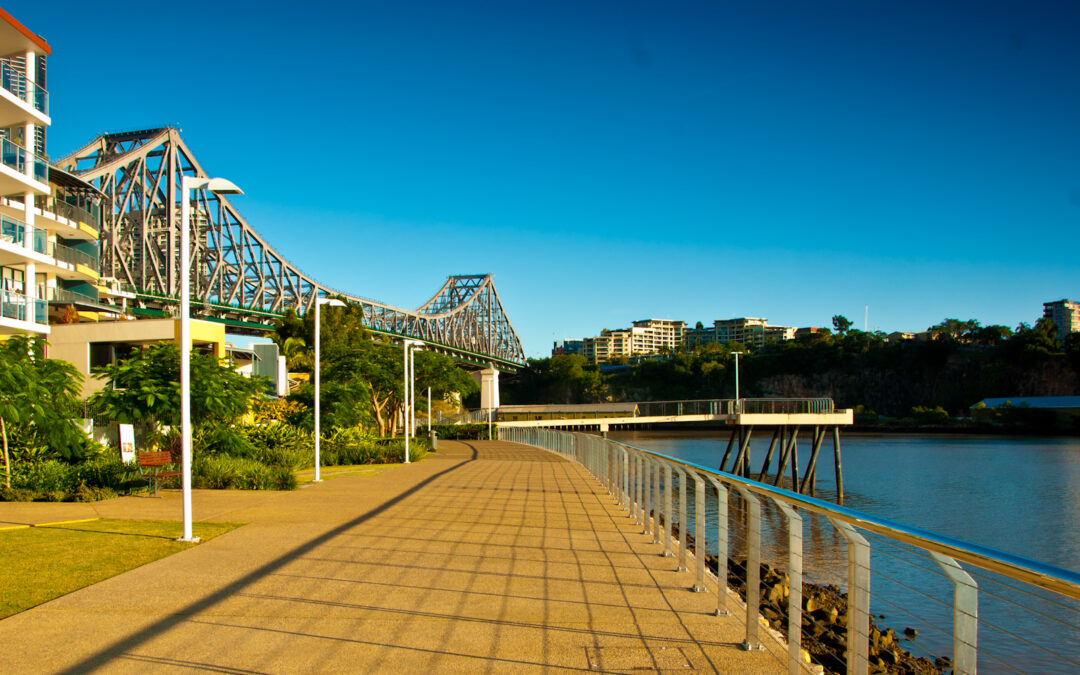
488 557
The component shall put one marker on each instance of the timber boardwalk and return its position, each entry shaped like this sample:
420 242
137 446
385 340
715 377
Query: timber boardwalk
488 556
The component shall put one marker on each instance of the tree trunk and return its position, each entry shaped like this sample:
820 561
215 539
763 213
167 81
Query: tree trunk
7 461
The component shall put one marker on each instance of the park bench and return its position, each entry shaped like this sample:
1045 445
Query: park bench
156 465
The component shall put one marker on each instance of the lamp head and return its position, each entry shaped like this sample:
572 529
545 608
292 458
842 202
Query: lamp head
219 186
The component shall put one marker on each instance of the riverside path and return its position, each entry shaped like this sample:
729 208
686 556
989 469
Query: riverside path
487 556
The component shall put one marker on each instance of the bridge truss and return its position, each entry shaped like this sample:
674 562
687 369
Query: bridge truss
236 276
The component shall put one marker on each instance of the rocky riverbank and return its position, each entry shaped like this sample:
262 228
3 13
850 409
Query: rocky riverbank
824 622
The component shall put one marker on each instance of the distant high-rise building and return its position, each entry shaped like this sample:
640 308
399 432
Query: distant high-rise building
751 331
1065 315
567 347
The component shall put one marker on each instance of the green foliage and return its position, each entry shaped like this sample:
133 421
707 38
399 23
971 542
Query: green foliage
347 446
145 388
926 416
464 431
841 323
38 399
279 444
239 473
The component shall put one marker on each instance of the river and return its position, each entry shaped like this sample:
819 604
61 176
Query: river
1016 494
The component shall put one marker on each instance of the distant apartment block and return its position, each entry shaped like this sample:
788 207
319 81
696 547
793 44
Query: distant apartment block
751 331
1065 315
645 336
561 347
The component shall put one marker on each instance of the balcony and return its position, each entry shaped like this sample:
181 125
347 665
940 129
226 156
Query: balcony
67 262
14 160
17 307
21 100
68 220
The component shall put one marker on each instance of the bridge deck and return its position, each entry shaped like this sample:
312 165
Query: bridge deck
489 556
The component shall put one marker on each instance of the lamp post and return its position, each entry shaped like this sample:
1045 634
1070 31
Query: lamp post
738 407
218 186
408 347
318 303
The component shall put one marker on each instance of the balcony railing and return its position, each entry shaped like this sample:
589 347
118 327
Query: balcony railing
17 306
13 231
65 296
74 256
16 157
69 211
19 85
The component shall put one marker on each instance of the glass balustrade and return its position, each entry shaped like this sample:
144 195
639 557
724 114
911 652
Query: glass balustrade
17 84
12 230
15 306
74 256
15 156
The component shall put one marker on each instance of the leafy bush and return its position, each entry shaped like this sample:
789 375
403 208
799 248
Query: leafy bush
270 410
280 444
240 473
221 439
47 477
928 416
456 431
107 472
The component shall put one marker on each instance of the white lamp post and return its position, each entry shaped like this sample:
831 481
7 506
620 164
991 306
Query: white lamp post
738 408
218 186
318 322
409 346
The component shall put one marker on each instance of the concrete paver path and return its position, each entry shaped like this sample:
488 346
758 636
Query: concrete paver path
487 557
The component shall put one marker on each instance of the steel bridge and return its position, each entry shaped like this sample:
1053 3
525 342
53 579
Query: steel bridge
237 277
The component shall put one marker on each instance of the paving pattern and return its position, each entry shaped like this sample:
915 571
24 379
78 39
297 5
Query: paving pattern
487 557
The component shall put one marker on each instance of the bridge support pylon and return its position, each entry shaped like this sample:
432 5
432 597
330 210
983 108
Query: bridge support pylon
488 379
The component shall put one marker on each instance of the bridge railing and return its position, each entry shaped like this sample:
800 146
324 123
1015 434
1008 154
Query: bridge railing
902 597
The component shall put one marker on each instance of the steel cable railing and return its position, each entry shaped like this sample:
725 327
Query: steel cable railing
828 577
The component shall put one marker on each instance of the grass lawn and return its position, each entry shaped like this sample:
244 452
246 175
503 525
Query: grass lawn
40 563
327 472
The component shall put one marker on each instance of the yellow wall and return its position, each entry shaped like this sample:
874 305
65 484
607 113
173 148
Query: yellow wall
71 342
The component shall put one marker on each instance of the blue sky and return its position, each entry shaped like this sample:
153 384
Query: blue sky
612 161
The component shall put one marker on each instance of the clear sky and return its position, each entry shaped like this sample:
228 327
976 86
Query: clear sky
613 161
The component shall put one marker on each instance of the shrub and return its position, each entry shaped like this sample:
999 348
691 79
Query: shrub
455 431
240 473
16 495
85 493
46 476
221 439
280 444
108 472
935 416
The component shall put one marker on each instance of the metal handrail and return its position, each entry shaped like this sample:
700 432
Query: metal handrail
1050 577
69 211
73 256
635 477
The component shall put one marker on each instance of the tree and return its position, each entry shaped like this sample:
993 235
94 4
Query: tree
145 388
841 323
39 395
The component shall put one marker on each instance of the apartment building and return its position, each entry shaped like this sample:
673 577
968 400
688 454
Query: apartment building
49 219
751 331
1065 315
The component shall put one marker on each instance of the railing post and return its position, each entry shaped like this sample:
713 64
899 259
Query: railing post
699 533
795 564
668 489
721 545
965 616
753 567
684 523
625 454
858 623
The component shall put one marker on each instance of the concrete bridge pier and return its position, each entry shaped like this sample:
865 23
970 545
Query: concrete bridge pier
488 379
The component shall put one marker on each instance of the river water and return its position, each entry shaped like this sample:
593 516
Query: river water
1016 494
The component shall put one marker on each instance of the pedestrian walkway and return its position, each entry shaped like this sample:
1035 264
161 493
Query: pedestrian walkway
488 556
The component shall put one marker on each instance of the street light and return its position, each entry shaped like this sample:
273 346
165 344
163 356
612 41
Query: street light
737 406
409 346
318 303
218 186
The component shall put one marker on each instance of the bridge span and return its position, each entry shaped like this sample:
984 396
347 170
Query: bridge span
238 278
